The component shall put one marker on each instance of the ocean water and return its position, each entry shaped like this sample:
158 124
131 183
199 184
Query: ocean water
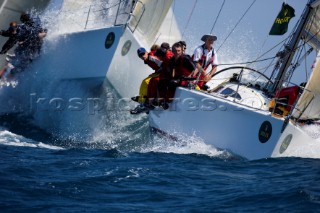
40 173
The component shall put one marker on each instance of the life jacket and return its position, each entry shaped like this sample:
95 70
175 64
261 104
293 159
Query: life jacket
180 69
153 61
166 62
169 55
203 59
204 64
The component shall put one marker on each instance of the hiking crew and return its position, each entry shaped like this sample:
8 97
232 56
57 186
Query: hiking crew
29 35
174 68
148 87
11 32
180 66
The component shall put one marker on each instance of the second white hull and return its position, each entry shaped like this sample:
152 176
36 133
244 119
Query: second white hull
79 55
299 141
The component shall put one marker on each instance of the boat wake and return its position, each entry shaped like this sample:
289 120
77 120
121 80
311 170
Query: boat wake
4 83
187 145
8 138
313 131
310 147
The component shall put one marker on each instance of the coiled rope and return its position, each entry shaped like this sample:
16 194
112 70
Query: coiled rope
236 25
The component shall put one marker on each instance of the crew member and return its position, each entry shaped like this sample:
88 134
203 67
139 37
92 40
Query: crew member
180 66
204 56
11 32
146 93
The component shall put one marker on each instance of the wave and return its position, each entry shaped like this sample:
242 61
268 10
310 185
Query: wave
10 139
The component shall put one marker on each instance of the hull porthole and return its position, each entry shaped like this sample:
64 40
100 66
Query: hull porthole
126 47
109 40
265 132
285 144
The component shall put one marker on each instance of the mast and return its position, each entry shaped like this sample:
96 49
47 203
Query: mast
286 58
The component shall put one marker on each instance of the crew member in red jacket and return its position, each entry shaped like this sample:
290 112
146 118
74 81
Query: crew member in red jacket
180 66
147 92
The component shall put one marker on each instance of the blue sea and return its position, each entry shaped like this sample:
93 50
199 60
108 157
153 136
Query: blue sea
140 173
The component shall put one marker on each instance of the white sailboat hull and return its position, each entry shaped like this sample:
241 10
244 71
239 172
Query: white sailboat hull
79 55
220 123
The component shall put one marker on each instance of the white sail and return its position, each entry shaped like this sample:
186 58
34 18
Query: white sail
148 17
309 102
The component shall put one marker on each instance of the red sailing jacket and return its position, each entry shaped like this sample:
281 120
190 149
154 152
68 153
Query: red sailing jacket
183 66
153 61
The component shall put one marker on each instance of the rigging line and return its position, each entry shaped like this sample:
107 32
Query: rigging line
284 41
294 64
272 62
249 62
297 48
267 67
305 65
305 41
3 5
224 1
273 48
194 6
236 24
262 46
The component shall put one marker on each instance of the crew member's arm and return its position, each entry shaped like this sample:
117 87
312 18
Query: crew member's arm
188 63
196 59
213 70
155 60
209 75
5 33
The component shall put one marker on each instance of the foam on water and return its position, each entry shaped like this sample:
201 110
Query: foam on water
183 145
310 149
313 131
8 83
9 139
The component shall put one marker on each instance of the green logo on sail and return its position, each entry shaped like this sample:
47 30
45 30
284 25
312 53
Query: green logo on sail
280 25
